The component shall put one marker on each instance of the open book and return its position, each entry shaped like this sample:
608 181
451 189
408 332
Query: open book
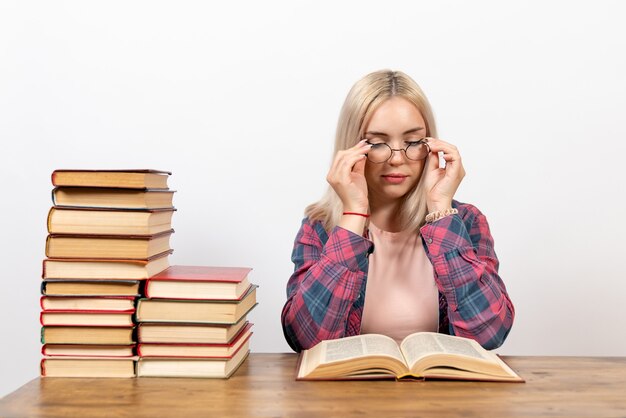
423 355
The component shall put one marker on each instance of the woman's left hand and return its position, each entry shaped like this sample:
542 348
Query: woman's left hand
441 183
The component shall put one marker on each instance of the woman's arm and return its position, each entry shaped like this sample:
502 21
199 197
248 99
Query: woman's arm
325 285
466 271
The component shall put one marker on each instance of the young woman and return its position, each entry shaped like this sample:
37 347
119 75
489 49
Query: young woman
387 250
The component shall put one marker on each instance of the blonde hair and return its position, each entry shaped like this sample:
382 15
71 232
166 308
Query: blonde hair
362 101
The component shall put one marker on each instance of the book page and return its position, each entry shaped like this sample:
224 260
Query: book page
359 346
421 344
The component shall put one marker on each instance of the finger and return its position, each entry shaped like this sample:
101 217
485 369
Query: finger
347 164
433 161
359 167
360 148
443 146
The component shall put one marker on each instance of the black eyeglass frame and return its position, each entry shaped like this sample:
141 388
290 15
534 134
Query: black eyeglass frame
421 141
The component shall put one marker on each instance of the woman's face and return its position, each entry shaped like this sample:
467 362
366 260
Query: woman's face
397 122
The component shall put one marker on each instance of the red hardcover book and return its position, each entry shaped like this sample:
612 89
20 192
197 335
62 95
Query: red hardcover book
196 350
87 318
199 282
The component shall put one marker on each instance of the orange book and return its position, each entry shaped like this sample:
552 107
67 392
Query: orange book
87 350
198 311
88 303
111 198
87 318
131 178
87 367
87 335
138 247
77 268
109 221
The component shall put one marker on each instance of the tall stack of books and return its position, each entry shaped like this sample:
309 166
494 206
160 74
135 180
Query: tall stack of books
109 230
193 322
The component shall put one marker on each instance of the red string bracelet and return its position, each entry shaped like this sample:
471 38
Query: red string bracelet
365 215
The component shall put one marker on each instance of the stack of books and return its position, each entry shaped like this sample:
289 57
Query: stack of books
109 230
193 322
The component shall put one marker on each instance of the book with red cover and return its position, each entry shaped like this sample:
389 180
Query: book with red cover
87 318
88 303
199 282
125 269
195 350
123 178
98 287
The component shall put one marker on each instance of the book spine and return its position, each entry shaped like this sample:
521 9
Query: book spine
42 335
42 366
54 196
48 238
49 220
41 300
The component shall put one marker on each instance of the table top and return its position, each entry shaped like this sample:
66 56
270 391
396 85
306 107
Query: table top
265 386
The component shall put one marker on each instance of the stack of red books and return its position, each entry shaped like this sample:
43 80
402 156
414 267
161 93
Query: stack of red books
109 231
193 322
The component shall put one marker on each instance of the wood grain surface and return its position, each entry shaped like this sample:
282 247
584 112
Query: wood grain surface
265 386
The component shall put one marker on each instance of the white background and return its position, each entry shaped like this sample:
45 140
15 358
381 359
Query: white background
240 100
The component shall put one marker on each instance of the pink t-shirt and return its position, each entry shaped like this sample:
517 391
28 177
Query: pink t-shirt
401 296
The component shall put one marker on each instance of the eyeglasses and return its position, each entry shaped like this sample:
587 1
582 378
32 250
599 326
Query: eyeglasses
381 152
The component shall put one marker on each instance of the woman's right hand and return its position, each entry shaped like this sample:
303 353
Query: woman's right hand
346 176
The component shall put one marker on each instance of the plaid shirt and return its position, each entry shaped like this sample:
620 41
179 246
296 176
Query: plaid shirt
326 292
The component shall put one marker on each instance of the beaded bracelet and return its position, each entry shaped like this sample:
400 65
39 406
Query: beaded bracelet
435 216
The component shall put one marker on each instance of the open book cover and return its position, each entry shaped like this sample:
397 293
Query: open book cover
423 355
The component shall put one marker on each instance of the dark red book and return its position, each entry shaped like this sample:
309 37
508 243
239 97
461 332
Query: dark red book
199 282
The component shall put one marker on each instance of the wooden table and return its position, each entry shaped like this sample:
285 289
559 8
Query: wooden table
265 386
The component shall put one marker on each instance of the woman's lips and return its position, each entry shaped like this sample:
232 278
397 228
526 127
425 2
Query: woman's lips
394 178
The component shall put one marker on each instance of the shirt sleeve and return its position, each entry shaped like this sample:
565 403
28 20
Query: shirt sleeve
466 271
325 284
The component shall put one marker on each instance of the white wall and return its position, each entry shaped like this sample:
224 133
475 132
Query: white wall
240 101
